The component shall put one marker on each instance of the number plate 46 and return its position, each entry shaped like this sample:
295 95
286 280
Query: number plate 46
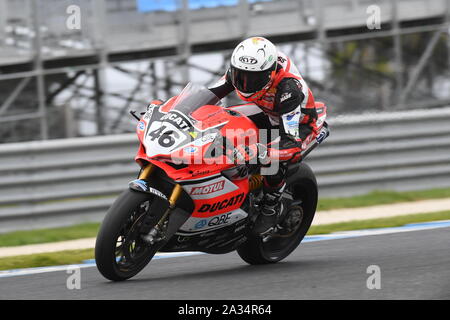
163 138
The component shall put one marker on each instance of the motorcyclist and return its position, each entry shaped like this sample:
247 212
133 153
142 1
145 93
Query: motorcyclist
276 96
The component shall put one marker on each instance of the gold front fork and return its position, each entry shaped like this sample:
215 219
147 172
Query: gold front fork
147 171
176 192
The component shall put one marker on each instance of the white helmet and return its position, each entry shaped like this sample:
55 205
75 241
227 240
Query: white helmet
253 64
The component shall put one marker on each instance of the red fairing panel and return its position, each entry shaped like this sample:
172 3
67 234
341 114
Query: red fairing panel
194 132
217 196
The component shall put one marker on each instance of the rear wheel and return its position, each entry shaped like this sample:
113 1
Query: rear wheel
296 223
120 252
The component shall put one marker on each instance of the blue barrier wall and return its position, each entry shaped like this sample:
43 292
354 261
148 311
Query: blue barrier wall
172 5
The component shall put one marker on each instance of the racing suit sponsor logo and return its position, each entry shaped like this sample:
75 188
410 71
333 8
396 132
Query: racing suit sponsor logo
292 115
281 59
285 96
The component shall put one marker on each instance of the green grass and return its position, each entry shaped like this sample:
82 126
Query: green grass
379 223
381 197
78 256
46 259
89 230
19 238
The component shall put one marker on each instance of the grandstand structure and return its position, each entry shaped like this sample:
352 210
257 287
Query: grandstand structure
57 56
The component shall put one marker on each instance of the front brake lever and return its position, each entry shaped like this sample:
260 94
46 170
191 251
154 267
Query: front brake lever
133 113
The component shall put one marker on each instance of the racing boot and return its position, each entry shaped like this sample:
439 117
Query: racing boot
271 207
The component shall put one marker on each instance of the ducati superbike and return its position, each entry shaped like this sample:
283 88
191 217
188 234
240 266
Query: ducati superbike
198 189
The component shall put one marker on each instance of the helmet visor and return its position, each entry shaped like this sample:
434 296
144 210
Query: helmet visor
250 81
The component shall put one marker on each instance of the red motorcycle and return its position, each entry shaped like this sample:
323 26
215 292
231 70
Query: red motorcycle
198 189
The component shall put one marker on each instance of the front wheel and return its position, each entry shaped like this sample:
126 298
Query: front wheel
303 187
120 253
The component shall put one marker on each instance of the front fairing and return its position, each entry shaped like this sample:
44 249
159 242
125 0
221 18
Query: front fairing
167 128
169 132
177 136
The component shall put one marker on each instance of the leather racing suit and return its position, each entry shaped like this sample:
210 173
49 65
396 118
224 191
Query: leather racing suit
287 105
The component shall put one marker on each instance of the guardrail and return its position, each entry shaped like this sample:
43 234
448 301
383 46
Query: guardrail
62 182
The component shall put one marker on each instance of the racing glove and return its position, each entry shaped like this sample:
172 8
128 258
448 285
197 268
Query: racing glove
287 148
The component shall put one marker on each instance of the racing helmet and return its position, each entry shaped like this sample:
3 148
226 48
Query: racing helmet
253 66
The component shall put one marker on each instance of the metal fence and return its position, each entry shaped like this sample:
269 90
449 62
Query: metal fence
63 182
76 79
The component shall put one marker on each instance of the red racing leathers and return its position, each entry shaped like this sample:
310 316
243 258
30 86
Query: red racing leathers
287 104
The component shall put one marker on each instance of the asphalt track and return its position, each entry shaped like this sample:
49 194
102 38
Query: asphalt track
413 265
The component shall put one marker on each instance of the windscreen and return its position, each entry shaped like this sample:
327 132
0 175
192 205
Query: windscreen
193 97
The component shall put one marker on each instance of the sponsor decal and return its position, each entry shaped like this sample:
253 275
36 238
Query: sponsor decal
222 204
153 105
210 188
213 222
201 224
157 192
149 112
322 135
248 60
285 96
292 115
141 126
292 124
176 119
217 221
200 172
281 59
190 149
208 137
206 227
142 184
320 121
193 134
